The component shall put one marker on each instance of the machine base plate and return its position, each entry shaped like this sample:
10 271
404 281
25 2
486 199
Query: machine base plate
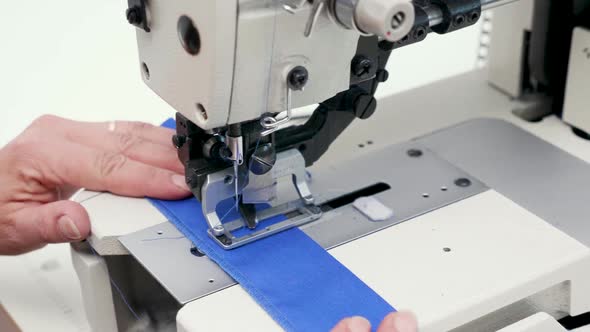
407 178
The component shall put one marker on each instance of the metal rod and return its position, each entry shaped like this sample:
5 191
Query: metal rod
489 4
435 14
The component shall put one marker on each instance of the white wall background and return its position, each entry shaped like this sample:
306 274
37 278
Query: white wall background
78 59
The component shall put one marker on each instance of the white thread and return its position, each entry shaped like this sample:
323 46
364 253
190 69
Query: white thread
118 289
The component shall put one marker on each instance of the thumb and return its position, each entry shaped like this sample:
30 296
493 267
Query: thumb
61 221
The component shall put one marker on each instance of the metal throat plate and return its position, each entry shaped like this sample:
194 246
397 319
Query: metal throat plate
419 182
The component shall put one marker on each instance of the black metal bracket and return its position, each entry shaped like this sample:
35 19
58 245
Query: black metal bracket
419 31
136 14
334 115
204 152
457 14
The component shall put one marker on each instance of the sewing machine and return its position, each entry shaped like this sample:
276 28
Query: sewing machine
462 187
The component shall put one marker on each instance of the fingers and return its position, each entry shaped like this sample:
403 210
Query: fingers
398 322
104 171
139 149
80 129
137 140
353 324
33 227
143 130
127 177
394 322
93 157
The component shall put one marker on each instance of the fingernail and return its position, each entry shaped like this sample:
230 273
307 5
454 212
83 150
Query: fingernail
179 181
404 322
68 228
358 324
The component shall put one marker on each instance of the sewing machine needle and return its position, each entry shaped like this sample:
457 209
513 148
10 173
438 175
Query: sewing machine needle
236 183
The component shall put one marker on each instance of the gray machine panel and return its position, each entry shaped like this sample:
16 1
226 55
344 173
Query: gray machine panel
538 176
166 254
419 184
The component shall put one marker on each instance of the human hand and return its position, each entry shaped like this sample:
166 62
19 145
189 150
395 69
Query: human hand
394 322
54 157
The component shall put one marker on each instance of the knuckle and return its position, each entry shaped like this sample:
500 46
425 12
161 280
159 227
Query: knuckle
137 127
7 227
45 232
154 173
109 163
11 243
29 174
127 142
21 154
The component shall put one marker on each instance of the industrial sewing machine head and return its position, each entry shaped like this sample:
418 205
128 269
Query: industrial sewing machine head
235 70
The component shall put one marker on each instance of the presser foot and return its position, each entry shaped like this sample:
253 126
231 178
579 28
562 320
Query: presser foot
220 186
299 212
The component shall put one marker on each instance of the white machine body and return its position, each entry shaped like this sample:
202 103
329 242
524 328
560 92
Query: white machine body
247 48
576 111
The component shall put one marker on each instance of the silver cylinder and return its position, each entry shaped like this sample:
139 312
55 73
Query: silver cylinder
236 146
388 19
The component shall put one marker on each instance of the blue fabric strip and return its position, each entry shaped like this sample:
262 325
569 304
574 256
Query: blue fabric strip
294 279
